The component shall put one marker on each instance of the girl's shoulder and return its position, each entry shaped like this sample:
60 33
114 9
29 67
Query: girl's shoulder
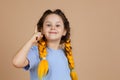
34 47
34 50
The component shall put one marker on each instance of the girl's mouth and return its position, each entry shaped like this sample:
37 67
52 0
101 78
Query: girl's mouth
53 32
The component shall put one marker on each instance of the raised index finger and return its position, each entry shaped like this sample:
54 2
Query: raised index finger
36 29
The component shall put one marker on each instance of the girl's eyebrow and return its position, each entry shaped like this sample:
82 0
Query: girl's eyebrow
47 21
58 22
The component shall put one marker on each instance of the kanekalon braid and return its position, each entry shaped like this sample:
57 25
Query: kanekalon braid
43 65
68 51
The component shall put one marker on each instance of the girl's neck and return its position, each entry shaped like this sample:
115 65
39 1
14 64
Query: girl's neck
53 44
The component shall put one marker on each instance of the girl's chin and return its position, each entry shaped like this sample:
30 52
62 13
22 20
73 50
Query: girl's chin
53 39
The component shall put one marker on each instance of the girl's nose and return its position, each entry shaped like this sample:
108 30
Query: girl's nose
53 27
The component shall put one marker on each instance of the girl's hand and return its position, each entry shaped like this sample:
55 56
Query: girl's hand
36 36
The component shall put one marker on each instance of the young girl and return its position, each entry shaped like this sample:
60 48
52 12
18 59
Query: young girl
47 55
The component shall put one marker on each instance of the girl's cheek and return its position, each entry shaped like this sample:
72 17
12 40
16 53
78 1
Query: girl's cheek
45 31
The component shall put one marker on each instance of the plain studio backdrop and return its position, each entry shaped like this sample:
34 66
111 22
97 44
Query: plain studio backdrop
95 34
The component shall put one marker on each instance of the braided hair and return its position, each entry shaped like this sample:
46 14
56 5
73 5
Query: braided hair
42 44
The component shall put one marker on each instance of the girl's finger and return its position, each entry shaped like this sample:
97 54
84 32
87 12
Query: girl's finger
36 29
38 35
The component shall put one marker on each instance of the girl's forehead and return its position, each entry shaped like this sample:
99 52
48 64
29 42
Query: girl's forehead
53 17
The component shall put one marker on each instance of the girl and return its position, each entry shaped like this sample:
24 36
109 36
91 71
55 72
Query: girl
47 55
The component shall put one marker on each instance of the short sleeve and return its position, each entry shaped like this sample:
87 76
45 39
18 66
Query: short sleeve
33 58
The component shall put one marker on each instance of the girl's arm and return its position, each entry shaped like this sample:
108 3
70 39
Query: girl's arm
20 59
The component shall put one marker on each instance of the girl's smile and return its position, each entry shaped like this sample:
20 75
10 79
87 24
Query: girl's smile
53 32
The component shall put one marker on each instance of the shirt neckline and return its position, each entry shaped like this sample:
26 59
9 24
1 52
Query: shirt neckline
54 49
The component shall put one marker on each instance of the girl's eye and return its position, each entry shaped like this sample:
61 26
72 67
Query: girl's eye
48 25
57 25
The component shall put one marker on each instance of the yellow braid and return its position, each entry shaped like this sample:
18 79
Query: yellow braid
43 65
68 51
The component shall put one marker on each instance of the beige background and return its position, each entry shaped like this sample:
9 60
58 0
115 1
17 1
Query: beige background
95 29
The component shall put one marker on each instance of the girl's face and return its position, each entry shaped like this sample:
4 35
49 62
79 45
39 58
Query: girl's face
53 27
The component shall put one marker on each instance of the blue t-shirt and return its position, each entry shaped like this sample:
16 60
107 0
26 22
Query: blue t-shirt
58 64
